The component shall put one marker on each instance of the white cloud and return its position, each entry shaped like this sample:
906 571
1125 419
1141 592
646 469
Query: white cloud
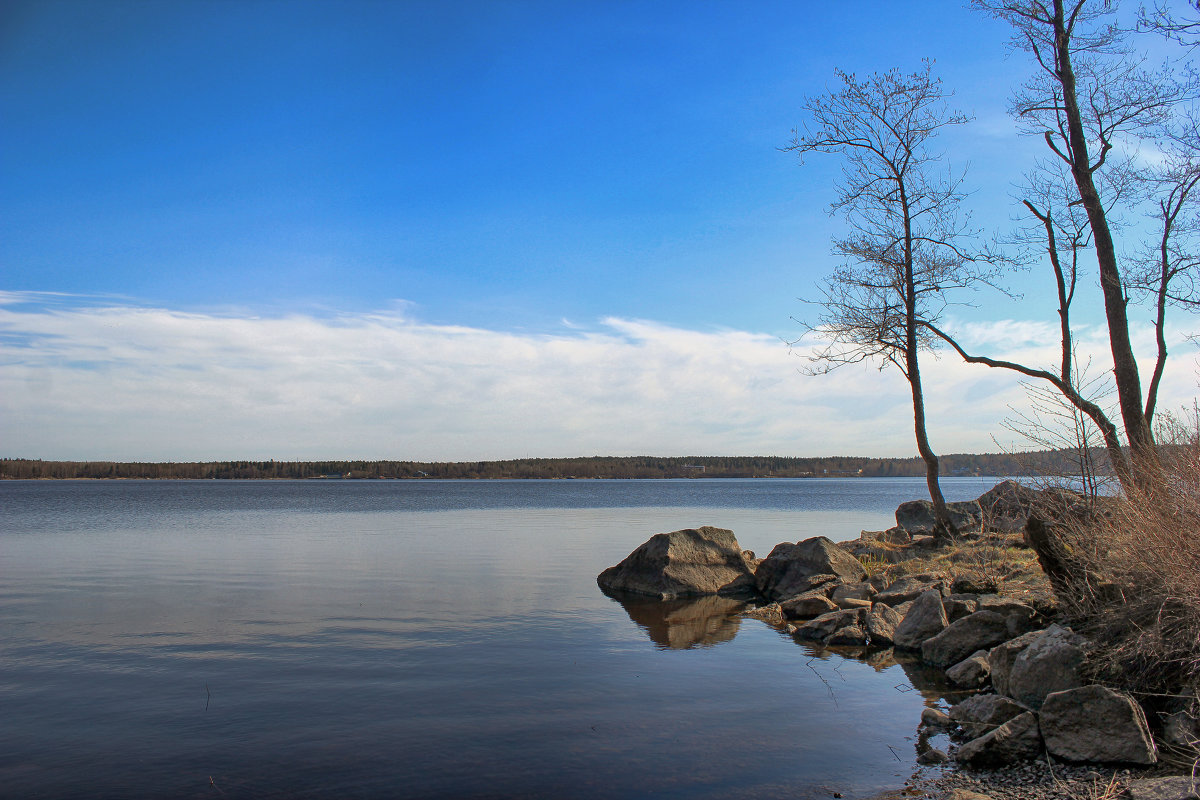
126 382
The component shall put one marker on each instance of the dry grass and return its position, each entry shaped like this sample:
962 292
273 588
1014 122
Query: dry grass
997 565
1141 598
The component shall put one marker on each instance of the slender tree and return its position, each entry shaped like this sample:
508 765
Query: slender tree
905 246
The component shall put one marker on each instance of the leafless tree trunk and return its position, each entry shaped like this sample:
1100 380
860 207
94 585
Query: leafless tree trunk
906 246
1072 41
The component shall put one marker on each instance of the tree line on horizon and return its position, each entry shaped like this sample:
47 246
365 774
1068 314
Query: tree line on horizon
1026 464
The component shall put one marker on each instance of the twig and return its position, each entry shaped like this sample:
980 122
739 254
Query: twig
821 677
207 700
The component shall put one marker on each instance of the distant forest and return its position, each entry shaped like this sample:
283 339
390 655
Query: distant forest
1050 462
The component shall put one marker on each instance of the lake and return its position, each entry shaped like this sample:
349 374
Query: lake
424 639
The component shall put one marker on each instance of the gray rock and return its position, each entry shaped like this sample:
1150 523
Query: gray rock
981 714
924 619
1179 787
973 584
784 572
826 625
1180 730
862 590
771 614
932 756
1095 723
1016 740
685 563
1181 721
1049 664
1020 615
1002 656
957 607
881 624
916 517
983 629
908 588
972 672
848 635
1007 505
808 605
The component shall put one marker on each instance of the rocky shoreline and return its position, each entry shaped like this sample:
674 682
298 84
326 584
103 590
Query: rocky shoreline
1033 723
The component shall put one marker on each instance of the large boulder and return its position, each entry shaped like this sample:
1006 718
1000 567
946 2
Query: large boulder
1095 723
785 572
981 714
1016 740
687 563
925 618
1002 656
1007 506
1050 663
917 519
974 632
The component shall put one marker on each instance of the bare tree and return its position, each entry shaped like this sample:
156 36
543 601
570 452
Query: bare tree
1167 270
1059 228
1088 95
904 250
1161 19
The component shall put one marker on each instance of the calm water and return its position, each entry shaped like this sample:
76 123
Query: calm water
340 639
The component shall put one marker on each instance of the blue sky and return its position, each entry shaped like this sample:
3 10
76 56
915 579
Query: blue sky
549 177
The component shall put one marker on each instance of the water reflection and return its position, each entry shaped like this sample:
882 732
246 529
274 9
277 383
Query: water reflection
683 624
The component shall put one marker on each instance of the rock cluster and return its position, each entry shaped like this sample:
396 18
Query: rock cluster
1031 697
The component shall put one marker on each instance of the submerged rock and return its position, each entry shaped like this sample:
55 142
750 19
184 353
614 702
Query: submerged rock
686 563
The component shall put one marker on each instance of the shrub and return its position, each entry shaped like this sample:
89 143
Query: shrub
1138 558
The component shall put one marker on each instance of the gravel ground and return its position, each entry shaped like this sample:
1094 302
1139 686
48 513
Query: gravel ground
1032 781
